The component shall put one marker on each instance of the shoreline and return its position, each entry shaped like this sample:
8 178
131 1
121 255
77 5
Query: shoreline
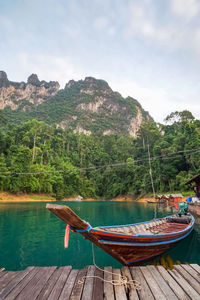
6 197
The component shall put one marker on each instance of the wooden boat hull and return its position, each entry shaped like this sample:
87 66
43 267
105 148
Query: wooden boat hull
136 255
136 250
128 249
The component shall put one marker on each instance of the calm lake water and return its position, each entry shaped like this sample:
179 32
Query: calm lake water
32 236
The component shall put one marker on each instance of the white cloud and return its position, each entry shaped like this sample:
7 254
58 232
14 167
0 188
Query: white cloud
159 49
111 30
143 23
6 23
100 23
104 24
187 9
48 67
159 102
176 34
72 31
153 100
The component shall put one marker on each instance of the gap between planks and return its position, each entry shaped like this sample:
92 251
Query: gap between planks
183 282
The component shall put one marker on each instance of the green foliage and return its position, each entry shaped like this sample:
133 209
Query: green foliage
178 117
36 157
3 118
70 106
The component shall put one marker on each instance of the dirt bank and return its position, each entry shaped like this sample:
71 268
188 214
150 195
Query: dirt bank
144 200
21 197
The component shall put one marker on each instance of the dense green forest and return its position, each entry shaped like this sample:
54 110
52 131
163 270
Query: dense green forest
37 157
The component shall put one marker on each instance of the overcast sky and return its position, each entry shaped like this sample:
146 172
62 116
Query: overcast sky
147 49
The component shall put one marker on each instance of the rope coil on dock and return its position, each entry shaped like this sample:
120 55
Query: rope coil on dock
122 280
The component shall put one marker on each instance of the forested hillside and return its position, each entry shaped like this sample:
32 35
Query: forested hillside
37 157
87 106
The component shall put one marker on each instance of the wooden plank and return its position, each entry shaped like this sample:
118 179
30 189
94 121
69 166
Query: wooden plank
48 272
143 229
108 289
6 278
196 267
120 293
126 230
28 290
18 288
67 289
2 273
131 291
78 288
145 292
42 281
98 285
184 284
162 283
180 293
88 286
137 228
11 285
195 284
192 272
2 269
57 289
156 291
46 290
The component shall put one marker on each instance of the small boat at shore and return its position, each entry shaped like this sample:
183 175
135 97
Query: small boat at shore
131 244
152 202
79 198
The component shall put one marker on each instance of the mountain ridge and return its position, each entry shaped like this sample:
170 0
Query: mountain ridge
86 106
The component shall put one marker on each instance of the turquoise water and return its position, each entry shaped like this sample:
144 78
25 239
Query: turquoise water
32 236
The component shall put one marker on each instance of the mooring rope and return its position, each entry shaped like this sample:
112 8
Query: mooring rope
2 269
122 280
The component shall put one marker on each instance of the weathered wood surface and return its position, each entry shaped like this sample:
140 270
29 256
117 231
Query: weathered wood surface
183 282
195 209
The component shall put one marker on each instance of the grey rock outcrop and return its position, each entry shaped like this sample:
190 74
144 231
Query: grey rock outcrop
34 92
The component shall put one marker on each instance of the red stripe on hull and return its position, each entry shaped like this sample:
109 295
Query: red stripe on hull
136 239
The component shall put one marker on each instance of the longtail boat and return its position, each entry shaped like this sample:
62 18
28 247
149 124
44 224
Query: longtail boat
131 244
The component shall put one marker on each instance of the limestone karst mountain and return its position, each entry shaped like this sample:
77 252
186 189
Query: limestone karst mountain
34 92
89 106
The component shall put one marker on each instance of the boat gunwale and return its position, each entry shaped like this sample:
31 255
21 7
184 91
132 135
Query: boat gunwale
145 244
142 235
113 226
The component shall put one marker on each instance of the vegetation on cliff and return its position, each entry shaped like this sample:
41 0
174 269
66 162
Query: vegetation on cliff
89 106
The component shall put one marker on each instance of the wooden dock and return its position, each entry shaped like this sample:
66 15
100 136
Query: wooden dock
52 283
195 209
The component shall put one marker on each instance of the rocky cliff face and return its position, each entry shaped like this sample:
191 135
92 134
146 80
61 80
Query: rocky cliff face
86 106
99 109
34 92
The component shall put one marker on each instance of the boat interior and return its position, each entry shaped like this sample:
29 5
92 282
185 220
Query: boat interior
160 226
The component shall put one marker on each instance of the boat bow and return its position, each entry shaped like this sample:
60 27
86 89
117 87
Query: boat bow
130 244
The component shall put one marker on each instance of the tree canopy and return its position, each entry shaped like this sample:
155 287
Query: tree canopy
37 157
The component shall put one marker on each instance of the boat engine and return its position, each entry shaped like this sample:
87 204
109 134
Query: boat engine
182 216
183 209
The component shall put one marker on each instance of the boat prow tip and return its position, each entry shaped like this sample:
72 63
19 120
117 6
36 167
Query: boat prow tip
55 206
